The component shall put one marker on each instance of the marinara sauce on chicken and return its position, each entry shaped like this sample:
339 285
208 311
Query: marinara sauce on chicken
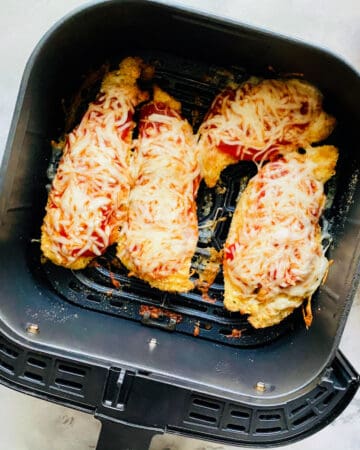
274 259
159 238
88 199
259 120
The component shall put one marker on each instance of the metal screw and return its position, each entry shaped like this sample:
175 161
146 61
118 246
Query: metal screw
33 328
260 386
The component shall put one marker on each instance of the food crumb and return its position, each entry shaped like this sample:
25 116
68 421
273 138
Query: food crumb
114 281
196 329
235 333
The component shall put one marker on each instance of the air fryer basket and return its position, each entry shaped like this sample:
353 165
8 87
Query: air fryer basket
93 347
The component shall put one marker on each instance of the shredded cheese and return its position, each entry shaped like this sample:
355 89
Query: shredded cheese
160 235
259 120
89 194
274 252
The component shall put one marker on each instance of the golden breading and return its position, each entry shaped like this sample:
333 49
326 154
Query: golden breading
321 161
259 120
213 162
273 254
46 248
177 282
89 194
159 238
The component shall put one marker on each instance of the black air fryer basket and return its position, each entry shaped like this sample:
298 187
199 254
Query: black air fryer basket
84 340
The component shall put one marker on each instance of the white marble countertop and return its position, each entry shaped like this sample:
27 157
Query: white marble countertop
30 423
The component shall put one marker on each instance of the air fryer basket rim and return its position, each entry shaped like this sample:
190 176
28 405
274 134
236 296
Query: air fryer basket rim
56 342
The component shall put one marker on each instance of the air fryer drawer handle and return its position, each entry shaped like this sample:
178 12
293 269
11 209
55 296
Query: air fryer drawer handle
123 436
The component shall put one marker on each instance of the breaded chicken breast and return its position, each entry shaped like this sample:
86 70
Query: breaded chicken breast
274 259
160 236
259 120
89 194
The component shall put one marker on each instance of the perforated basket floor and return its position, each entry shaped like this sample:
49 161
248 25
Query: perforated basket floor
105 287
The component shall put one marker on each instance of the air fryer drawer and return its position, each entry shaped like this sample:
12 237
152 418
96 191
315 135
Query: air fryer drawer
118 358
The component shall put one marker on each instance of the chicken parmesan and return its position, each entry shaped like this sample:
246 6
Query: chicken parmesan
273 258
161 232
89 194
259 120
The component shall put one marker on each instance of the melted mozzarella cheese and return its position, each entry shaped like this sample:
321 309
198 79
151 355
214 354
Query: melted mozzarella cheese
89 194
275 248
258 120
161 233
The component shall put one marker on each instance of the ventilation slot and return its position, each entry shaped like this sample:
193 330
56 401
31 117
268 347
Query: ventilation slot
67 384
269 417
37 363
188 305
304 419
7 367
268 430
94 298
299 408
75 287
8 351
221 313
236 419
234 427
202 418
205 326
116 303
33 377
240 414
72 370
319 394
270 421
205 411
145 373
206 404
225 331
